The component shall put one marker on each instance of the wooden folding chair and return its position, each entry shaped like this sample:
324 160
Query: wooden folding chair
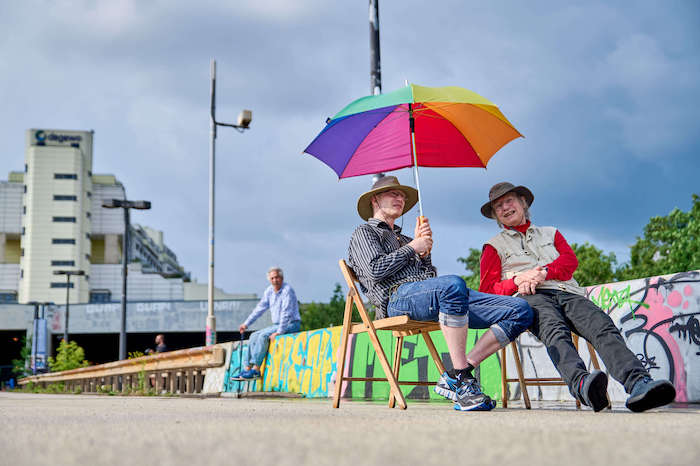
537 381
401 326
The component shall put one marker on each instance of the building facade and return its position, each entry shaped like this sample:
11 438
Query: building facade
51 219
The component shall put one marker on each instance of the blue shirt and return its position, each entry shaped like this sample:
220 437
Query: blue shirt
282 304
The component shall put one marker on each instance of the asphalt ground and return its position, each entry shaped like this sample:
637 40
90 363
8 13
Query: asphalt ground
92 430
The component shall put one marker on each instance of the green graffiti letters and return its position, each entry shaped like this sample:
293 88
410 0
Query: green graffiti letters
608 299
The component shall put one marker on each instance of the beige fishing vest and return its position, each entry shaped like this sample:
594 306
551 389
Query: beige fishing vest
519 253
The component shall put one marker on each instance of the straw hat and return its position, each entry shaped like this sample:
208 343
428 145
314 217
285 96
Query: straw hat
385 183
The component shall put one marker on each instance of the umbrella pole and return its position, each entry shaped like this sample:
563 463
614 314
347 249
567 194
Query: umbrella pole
415 159
415 174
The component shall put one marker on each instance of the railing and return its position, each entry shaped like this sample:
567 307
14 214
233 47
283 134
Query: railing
173 372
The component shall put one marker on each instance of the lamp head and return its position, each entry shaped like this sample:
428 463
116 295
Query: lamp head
244 118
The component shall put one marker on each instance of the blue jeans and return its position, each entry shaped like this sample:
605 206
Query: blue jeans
260 340
448 300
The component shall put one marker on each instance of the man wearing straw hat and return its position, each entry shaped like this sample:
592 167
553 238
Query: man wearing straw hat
539 264
397 275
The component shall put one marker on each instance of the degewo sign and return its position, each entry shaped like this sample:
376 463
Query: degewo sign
48 137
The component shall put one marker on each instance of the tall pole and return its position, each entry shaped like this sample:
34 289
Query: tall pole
125 257
65 328
210 337
375 72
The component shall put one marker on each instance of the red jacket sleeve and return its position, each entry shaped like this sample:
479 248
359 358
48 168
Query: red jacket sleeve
490 268
564 266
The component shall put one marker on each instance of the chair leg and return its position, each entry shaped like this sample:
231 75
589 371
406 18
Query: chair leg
340 363
504 376
433 352
521 377
397 367
574 339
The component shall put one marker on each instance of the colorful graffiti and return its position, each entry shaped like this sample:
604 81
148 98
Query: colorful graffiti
306 363
661 306
659 318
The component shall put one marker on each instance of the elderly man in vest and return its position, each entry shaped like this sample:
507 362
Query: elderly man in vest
397 275
539 264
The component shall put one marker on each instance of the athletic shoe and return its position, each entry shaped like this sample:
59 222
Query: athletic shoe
648 394
447 386
594 390
249 374
471 398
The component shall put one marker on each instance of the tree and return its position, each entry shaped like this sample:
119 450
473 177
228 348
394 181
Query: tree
20 366
472 264
322 315
594 267
68 356
670 244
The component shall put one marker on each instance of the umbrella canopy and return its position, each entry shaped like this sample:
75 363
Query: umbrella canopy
452 127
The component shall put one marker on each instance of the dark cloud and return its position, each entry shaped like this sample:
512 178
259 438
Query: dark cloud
605 95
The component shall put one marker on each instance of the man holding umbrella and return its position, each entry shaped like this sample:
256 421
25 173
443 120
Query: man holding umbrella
397 275
538 263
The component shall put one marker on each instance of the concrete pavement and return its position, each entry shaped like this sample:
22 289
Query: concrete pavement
108 430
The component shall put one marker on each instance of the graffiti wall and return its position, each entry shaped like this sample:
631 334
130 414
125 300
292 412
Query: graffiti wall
658 318
306 363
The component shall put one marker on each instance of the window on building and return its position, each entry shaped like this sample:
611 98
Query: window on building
64 197
100 296
63 241
65 176
88 214
87 235
21 274
21 252
64 219
89 194
8 297
63 263
23 230
87 256
26 168
25 188
24 209
89 173
61 285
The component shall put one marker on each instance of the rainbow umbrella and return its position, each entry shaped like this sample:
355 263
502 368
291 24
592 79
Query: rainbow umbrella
413 126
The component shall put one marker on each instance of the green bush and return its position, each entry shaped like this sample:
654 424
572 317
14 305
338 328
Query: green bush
69 356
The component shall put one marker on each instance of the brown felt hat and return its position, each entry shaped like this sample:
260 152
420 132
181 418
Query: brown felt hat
501 189
385 183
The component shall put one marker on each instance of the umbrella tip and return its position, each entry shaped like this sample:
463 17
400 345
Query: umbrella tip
377 177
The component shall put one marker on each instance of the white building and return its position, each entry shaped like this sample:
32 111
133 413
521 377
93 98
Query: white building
51 218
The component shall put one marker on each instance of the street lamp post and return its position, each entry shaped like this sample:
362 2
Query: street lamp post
126 205
244 119
68 274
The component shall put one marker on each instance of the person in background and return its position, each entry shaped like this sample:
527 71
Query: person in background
282 302
160 345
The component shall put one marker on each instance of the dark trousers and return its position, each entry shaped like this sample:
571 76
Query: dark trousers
557 314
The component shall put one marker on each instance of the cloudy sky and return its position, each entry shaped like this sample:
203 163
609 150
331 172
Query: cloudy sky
606 94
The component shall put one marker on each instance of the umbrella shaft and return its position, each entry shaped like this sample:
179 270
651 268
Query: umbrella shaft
415 172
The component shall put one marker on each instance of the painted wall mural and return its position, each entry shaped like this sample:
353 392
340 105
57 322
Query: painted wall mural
658 317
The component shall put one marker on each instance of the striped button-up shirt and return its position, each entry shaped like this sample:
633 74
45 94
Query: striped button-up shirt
382 260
